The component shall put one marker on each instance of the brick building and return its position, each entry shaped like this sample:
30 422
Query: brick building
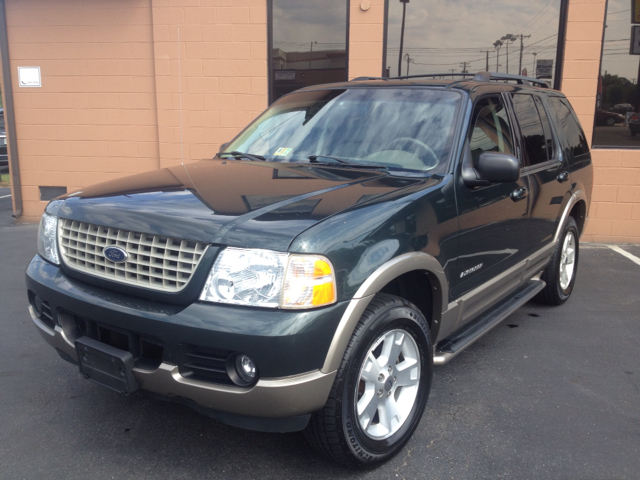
132 85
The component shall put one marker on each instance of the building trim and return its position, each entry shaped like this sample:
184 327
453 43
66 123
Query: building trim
385 28
562 40
9 115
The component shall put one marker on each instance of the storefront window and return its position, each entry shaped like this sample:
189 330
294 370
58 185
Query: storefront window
618 97
308 44
518 37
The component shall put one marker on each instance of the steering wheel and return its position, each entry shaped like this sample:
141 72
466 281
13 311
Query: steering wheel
429 158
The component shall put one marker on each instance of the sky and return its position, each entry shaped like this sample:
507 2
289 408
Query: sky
297 23
442 34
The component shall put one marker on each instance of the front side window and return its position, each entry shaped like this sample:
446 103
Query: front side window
403 129
491 129
535 144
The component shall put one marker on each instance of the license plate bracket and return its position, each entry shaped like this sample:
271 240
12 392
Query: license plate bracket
106 365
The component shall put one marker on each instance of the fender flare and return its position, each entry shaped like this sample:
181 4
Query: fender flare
577 196
387 272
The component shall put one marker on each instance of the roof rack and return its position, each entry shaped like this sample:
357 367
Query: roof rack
477 77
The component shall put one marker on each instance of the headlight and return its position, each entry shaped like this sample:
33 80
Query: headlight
47 238
262 278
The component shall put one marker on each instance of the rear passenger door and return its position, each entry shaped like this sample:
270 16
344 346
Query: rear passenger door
544 167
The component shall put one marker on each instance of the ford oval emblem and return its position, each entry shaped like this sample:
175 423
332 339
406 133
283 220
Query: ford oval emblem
115 254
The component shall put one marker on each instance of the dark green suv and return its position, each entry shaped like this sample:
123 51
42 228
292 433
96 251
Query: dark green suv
312 273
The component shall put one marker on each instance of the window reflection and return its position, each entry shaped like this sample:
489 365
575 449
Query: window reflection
615 124
308 44
445 36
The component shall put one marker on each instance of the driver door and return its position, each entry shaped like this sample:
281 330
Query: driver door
493 219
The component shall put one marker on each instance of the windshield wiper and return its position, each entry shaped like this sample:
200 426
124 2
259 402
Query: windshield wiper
346 163
248 156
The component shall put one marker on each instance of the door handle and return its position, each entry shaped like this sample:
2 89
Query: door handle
563 176
519 194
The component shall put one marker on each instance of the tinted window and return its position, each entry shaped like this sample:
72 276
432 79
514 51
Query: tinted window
546 126
309 44
410 129
445 36
491 130
535 147
570 126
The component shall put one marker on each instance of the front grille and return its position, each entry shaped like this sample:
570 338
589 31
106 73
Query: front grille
156 262
204 364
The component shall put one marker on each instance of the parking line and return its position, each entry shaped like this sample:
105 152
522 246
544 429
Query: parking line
633 258
6 196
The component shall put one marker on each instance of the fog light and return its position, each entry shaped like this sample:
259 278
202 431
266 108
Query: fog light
245 368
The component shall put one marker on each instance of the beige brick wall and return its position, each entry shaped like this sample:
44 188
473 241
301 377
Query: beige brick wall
366 29
111 93
110 99
222 61
94 118
615 206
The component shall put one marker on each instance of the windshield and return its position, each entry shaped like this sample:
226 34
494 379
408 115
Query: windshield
399 128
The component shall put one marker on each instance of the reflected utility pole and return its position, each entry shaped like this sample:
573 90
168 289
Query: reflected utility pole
521 48
409 60
497 44
404 12
509 37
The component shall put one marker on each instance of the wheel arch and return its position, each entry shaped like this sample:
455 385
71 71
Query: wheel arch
577 205
418 266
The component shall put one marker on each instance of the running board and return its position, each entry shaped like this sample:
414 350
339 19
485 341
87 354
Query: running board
452 346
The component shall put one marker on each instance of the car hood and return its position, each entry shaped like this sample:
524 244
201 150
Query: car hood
236 203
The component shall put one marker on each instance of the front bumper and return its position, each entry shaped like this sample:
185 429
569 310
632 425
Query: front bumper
278 341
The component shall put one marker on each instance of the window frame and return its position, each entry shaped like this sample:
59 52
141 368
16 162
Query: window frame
270 99
560 49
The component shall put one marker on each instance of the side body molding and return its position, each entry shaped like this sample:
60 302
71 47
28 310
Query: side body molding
395 267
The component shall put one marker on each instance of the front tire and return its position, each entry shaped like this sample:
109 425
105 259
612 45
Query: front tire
381 388
560 274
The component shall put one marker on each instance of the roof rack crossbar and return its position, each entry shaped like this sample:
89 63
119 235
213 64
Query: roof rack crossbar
519 78
477 77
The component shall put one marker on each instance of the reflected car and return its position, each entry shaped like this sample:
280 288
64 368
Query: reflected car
608 118
622 108
634 124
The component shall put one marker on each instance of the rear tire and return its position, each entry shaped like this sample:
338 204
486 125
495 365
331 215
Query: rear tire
560 274
381 388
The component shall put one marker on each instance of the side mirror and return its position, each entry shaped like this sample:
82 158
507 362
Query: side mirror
223 146
491 168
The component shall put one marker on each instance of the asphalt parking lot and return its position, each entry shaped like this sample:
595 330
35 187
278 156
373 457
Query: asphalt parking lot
550 393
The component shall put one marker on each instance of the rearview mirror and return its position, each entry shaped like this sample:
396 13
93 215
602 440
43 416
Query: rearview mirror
491 167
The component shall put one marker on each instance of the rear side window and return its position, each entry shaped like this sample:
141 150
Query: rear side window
533 135
491 129
570 126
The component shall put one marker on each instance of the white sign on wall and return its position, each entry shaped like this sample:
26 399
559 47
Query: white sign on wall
29 77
